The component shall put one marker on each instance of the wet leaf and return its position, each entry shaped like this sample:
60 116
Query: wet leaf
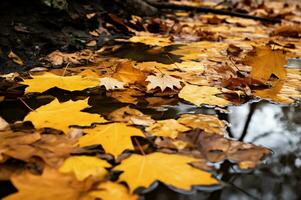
61 115
111 190
177 172
111 83
114 138
199 95
266 62
85 166
131 116
167 128
208 123
127 73
163 81
49 186
41 83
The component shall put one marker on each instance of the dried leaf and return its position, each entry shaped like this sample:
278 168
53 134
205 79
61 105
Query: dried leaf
111 83
163 81
15 58
131 116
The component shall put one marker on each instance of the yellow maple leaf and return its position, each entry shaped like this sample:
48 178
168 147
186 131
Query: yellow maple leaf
61 115
208 123
41 83
85 166
167 128
149 39
114 138
171 169
163 81
127 73
51 185
112 191
202 95
266 62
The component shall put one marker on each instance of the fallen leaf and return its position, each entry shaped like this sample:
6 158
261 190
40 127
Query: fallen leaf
110 190
163 81
85 166
15 58
61 115
114 138
3 124
150 39
265 62
171 169
41 83
208 123
167 128
49 186
111 83
131 116
127 73
199 95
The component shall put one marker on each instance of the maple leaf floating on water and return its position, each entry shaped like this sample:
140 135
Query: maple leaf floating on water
171 169
61 115
48 186
163 81
110 191
111 83
114 138
127 73
199 95
85 166
46 81
266 62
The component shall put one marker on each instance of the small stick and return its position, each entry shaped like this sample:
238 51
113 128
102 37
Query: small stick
25 104
139 147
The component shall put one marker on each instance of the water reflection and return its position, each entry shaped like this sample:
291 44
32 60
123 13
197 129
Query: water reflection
273 126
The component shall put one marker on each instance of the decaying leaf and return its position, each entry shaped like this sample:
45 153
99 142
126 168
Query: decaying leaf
15 58
114 138
131 116
110 190
265 62
48 186
129 95
85 166
163 81
144 170
61 115
59 58
199 95
208 123
167 128
41 83
111 83
127 73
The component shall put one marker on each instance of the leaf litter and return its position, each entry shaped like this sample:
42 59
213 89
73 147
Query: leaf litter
223 61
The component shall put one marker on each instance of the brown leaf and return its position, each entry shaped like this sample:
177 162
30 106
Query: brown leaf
131 116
